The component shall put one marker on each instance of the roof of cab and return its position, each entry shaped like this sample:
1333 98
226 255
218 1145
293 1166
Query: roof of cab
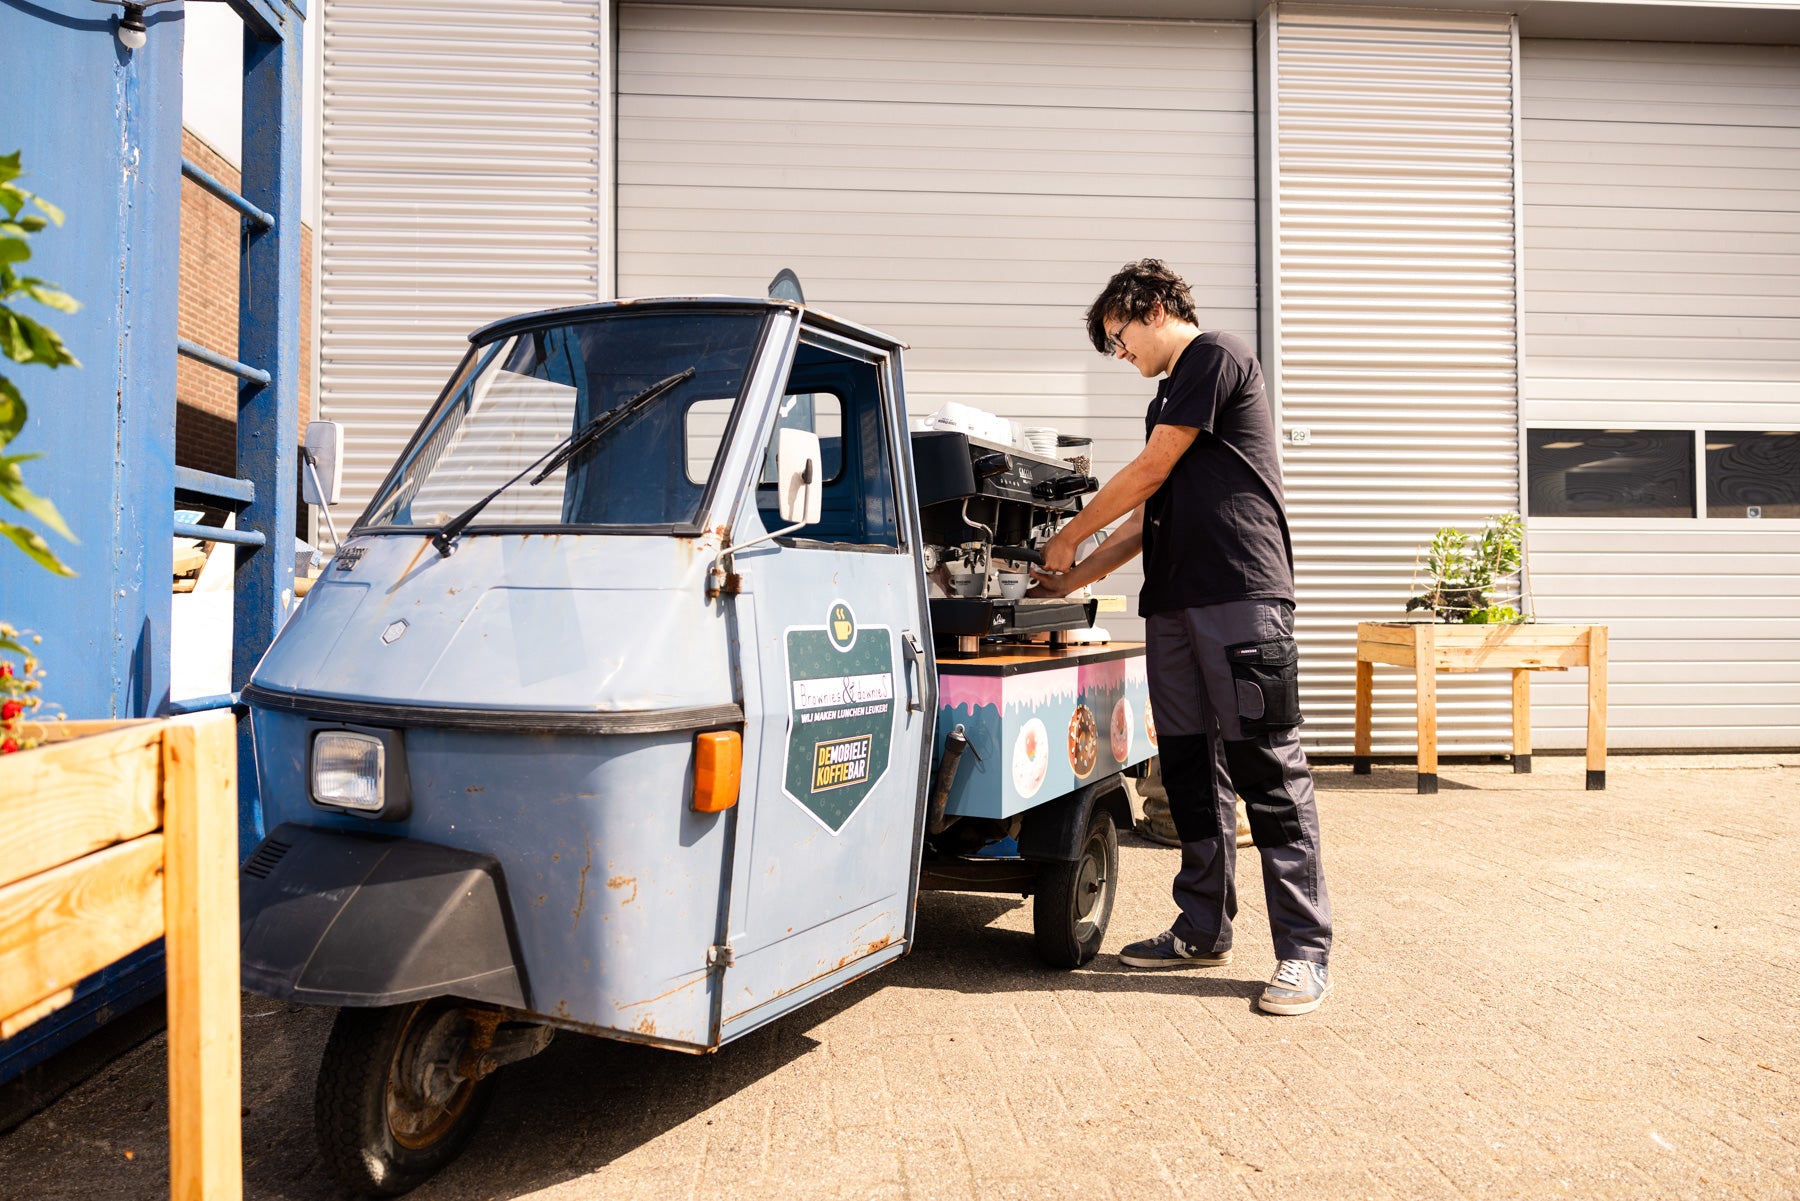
576 312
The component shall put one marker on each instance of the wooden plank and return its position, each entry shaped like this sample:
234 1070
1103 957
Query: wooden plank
1365 714
33 1014
1425 702
62 731
1596 698
1382 632
189 559
1486 635
69 798
1521 715
1380 652
201 904
61 926
1476 658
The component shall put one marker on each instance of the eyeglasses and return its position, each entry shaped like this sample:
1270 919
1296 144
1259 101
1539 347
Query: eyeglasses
1115 340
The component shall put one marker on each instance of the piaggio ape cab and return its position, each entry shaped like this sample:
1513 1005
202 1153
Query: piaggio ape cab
617 711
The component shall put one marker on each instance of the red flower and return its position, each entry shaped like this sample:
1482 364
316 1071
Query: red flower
5 670
11 709
8 747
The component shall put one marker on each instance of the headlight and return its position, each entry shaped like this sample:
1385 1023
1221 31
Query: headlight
349 771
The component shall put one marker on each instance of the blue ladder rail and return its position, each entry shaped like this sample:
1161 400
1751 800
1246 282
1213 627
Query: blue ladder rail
217 361
201 704
223 491
252 214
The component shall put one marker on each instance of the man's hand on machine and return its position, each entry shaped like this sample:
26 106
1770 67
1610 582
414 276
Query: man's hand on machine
1053 578
1059 555
1052 586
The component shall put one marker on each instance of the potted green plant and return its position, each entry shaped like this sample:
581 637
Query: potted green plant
1462 571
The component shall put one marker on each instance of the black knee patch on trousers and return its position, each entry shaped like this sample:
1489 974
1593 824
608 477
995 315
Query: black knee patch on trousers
1257 775
1187 771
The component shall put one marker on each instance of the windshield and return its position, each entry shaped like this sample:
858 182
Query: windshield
514 399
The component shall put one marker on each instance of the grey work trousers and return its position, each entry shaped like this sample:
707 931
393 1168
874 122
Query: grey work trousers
1224 695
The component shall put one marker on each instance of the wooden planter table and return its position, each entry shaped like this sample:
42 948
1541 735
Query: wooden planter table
118 833
1431 647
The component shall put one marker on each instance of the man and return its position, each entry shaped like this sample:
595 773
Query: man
1204 505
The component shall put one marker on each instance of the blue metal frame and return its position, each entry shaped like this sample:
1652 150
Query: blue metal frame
268 336
268 396
107 429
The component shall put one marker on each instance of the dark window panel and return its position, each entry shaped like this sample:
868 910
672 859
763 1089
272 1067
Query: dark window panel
1610 473
1751 474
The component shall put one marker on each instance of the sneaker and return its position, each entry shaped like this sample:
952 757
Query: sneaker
1297 987
1165 950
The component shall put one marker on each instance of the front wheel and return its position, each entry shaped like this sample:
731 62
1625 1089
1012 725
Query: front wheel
392 1106
1074 901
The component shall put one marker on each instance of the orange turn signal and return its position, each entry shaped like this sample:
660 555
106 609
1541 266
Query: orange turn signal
718 766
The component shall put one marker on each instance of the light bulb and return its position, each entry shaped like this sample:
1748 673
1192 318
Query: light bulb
133 33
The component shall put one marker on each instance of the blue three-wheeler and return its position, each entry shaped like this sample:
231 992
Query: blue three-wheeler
664 668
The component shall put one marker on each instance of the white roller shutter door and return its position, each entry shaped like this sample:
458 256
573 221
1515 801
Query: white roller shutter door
1393 213
462 181
1662 291
966 184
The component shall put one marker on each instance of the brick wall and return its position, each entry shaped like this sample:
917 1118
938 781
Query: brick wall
211 237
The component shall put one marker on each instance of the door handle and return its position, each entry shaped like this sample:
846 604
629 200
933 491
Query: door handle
915 655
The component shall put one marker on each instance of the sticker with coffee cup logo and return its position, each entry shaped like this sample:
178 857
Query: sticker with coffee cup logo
840 713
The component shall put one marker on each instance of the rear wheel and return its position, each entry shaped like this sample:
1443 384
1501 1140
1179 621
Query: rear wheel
1074 901
392 1107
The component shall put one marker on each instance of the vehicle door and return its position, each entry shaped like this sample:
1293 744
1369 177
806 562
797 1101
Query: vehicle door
839 699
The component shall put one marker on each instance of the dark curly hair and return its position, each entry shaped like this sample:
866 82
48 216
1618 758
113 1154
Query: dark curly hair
1132 293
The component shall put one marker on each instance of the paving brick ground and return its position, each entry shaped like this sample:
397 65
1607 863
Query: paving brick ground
1541 991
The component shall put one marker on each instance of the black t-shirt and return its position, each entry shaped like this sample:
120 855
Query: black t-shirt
1215 530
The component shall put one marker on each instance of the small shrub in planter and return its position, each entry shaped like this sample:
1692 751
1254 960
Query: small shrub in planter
1462 570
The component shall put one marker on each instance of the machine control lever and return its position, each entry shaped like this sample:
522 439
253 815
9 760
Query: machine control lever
992 463
1018 554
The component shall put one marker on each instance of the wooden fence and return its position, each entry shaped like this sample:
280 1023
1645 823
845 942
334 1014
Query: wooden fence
116 834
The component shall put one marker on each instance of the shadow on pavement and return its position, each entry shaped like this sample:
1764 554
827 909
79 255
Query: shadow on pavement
1381 778
586 1102
581 1105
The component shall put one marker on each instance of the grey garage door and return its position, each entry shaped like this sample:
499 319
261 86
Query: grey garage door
1662 324
965 184
462 181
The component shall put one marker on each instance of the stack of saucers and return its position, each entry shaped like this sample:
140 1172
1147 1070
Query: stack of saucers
1041 440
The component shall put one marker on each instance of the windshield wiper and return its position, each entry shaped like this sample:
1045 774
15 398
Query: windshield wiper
577 442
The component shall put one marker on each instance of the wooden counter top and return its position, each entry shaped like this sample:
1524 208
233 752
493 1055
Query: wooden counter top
1027 657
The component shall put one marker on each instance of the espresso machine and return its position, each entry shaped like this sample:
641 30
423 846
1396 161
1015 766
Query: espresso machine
987 509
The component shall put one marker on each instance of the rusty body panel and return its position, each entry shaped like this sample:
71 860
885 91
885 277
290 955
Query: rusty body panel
547 687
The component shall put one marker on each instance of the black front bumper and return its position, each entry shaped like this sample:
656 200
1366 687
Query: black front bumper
333 918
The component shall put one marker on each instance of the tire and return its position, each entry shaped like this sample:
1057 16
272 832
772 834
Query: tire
387 1115
1074 901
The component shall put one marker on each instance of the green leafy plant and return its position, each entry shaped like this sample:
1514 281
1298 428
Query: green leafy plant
26 341
1462 569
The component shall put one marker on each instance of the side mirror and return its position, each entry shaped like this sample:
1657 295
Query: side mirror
322 463
800 472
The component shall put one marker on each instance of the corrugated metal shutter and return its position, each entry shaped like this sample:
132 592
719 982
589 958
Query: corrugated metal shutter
1662 290
1395 318
966 184
462 181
